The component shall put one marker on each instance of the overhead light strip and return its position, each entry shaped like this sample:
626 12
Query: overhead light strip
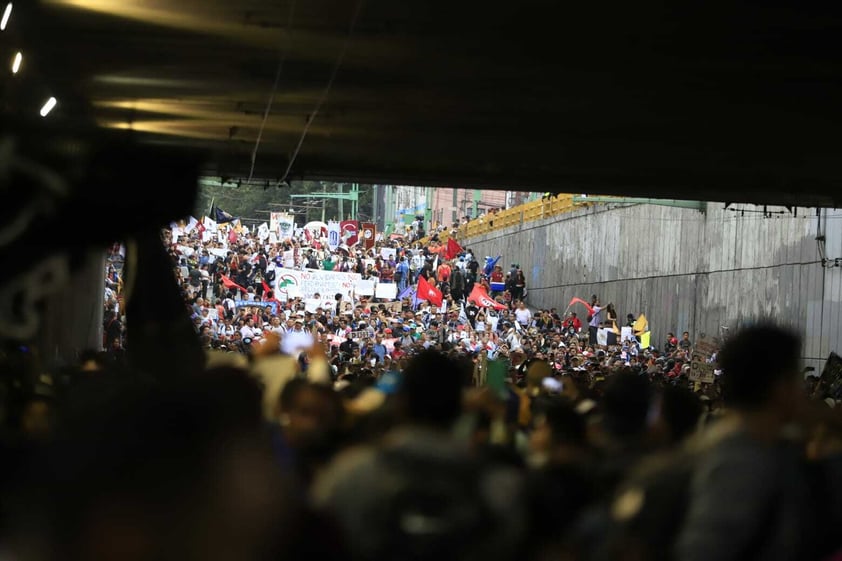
48 106
7 13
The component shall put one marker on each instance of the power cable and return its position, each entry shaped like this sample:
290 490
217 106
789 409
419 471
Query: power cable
274 90
339 60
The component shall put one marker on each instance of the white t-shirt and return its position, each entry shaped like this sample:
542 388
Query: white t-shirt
524 316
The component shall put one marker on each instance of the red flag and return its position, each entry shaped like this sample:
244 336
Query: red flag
228 283
481 298
349 232
266 290
453 249
427 291
308 235
232 235
369 232
580 301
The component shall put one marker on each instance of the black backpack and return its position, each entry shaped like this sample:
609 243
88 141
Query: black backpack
436 510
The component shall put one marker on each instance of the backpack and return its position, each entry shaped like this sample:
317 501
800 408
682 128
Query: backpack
435 511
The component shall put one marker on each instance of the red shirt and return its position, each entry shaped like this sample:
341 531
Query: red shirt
444 272
575 322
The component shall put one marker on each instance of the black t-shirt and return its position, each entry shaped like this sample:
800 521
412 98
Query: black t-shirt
473 266
348 345
472 311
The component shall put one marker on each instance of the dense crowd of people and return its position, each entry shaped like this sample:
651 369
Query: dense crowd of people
377 430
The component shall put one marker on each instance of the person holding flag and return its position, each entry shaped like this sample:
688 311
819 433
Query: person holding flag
490 263
453 249
428 292
222 217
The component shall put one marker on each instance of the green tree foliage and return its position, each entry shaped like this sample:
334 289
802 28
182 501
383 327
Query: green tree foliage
253 202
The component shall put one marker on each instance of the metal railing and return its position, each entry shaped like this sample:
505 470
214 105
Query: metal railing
515 216
546 208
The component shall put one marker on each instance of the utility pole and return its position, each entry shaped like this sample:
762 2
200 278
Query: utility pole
428 210
374 207
341 203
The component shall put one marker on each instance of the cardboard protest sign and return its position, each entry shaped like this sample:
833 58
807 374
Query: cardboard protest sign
700 368
831 377
386 290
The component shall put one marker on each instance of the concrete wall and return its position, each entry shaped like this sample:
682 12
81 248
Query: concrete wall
72 318
685 269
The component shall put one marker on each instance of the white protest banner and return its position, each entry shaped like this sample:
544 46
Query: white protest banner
186 251
311 282
388 252
364 287
386 290
191 225
333 235
273 238
310 304
289 259
207 236
627 334
292 292
286 226
263 231
295 342
210 224
274 219
219 252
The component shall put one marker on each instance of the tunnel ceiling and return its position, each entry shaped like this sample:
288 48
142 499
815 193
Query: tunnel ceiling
729 101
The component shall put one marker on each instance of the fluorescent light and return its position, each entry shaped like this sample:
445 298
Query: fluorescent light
16 62
48 106
7 13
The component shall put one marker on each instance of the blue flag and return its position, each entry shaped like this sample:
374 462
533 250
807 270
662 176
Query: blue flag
490 264
221 216
407 292
411 292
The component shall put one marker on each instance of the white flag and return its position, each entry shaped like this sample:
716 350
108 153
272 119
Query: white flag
333 235
263 231
210 224
191 225
286 226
